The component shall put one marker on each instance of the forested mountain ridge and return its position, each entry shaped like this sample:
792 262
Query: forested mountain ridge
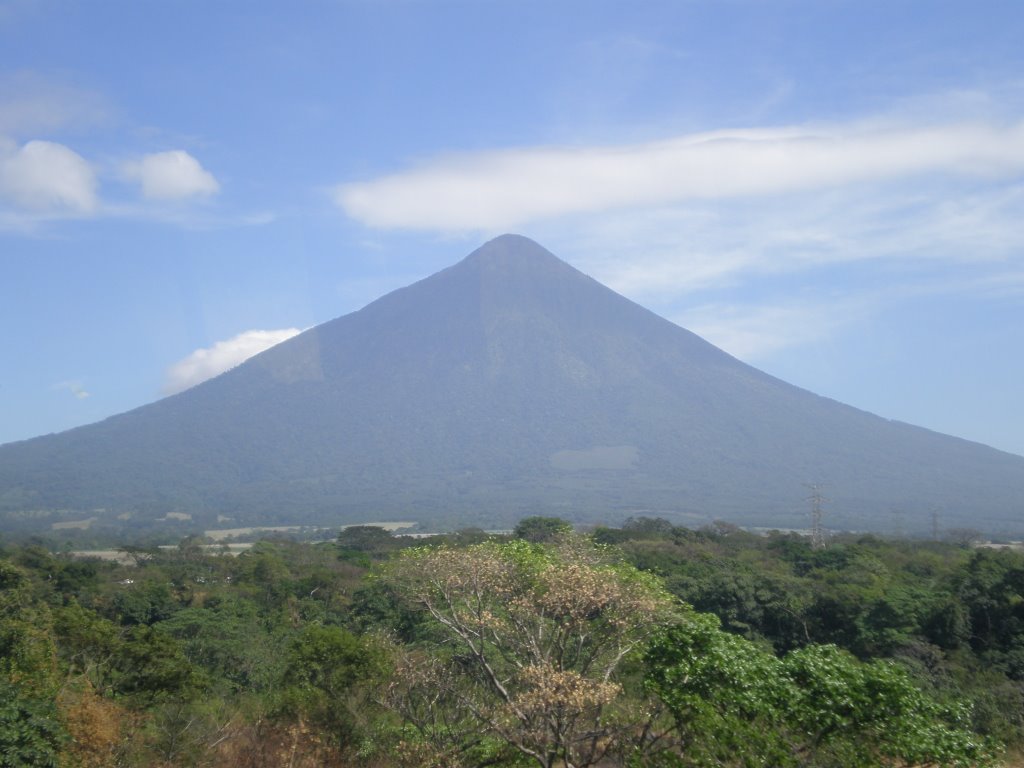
507 384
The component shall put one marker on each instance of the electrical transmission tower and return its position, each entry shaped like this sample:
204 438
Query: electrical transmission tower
817 513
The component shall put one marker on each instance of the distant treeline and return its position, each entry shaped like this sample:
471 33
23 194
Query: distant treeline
644 645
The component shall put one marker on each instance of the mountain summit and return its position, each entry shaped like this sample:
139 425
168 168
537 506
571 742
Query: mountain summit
508 384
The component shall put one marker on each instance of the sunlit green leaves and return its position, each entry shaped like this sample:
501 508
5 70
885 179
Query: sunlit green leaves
819 705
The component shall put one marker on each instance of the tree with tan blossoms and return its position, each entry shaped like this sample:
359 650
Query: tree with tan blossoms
532 649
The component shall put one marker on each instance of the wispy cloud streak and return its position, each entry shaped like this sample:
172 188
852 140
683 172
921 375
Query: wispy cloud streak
505 189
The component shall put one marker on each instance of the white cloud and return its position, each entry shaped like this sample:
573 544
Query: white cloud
45 180
655 254
697 227
75 388
503 189
173 175
44 176
205 363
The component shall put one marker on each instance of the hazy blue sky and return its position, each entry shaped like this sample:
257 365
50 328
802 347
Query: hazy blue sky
832 191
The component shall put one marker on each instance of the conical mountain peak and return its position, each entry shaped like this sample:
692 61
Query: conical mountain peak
512 254
508 384
509 248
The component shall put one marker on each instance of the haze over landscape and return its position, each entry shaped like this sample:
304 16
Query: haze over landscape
462 383
828 192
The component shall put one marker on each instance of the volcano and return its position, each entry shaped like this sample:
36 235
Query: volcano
509 384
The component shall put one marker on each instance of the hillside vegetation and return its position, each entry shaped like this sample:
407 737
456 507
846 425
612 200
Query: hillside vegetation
646 645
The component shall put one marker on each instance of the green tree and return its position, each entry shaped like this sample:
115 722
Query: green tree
539 530
152 666
31 734
869 713
30 728
726 694
737 704
87 643
27 652
366 538
230 642
144 602
326 668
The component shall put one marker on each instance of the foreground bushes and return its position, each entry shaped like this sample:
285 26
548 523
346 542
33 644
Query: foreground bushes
546 649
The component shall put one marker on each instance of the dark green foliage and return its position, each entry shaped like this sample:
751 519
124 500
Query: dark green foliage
79 577
30 731
362 545
992 589
144 602
152 664
30 728
324 668
330 660
27 652
377 605
229 640
948 614
87 643
540 530
366 538
736 704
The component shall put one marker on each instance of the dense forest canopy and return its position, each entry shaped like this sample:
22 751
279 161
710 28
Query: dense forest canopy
645 645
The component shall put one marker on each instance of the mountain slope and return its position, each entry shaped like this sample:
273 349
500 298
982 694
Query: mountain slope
508 384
